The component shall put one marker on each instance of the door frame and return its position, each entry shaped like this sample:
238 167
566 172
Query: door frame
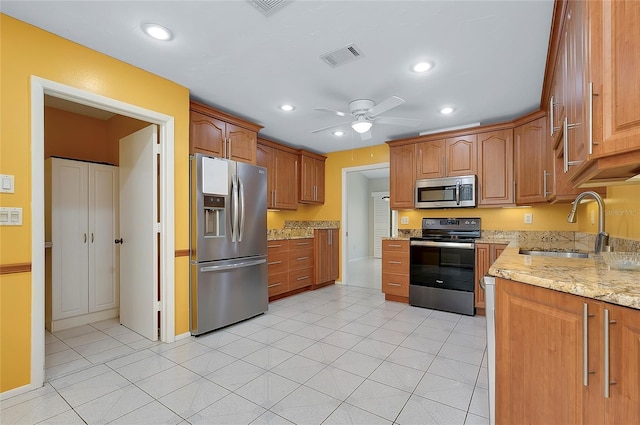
345 225
39 88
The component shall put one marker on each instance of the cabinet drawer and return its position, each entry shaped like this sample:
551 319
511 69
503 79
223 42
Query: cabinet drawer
300 278
277 262
395 262
300 258
278 283
395 284
277 246
295 244
395 246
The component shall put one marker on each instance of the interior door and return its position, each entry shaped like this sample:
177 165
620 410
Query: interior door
138 218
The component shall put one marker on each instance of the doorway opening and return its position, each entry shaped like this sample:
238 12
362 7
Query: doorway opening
366 219
164 229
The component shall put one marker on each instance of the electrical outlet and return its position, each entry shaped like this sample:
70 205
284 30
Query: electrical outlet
7 183
404 220
528 218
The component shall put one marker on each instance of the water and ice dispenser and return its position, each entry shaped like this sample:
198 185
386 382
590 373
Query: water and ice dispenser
214 216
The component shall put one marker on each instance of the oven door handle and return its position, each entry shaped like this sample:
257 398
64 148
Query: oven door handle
458 245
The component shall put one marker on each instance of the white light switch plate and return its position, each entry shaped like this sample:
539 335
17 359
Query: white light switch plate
404 220
10 216
7 183
528 218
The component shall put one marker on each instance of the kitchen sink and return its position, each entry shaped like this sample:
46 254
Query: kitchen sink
562 254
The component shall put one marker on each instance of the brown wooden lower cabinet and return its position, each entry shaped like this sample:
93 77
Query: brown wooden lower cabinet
486 255
395 270
541 373
326 256
290 266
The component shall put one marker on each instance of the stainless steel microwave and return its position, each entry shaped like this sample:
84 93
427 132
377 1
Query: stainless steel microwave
446 192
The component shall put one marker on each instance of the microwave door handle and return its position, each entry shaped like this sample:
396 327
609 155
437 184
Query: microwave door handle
458 192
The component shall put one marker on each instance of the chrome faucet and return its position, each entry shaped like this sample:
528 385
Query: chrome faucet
602 237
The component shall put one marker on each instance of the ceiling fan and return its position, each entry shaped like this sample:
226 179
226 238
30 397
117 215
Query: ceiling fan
366 113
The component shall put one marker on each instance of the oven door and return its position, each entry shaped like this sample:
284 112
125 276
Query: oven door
446 265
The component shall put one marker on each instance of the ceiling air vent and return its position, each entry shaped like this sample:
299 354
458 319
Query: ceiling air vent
268 7
341 56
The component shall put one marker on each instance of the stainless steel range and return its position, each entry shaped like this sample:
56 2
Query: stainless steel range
442 264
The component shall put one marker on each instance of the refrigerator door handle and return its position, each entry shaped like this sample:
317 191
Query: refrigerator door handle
233 266
234 207
242 208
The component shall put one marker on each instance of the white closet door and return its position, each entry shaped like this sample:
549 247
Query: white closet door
103 229
70 238
381 223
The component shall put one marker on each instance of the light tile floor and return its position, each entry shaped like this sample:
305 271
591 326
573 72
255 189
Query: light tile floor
339 355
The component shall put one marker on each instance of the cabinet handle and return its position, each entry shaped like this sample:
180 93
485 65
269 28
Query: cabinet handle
274 262
551 108
544 183
229 149
590 129
394 246
85 238
302 243
565 136
394 284
303 278
274 246
302 258
394 262
607 383
275 198
275 284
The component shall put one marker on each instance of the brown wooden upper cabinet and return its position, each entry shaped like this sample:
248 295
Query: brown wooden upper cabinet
495 168
216 133
311 177
281 163
594 98
456 156
402 176
533 167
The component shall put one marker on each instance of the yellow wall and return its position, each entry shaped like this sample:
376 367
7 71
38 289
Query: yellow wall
28 51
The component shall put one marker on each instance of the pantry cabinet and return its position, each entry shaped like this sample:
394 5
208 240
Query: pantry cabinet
402 177
281 163
395 270
533 172
213 132
550 358
495 168
81 221
311 177
326 246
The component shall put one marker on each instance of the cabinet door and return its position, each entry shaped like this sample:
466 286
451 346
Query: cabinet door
285 180
319 181
462 156
70 253
265 157
103 228
242 144
623 404
322 255
539 356
207 135
495 168
430 159
483 263
307 180
402 176
533 174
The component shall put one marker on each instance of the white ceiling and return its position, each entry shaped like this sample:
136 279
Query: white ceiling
489 57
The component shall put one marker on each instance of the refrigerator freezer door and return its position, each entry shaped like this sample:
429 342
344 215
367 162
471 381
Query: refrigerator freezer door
252 213
226 292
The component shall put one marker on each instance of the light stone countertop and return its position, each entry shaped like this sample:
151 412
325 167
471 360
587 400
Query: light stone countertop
587 277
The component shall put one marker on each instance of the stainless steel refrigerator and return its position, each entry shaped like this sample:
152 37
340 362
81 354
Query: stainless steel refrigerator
228 242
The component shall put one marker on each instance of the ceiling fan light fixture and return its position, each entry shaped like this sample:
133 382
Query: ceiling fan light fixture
361 126
157 31
421 67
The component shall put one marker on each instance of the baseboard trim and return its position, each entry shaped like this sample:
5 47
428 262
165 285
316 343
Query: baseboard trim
85 319
183 336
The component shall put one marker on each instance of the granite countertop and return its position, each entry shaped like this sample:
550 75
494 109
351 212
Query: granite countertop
300 229
588 277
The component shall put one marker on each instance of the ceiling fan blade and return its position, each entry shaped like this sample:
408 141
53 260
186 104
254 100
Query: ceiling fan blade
407 122
385 105
366 135
338 113
331 126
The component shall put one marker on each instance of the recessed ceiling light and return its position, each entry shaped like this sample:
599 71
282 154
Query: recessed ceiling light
157 31
338 133
446 110
287 107
422 67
